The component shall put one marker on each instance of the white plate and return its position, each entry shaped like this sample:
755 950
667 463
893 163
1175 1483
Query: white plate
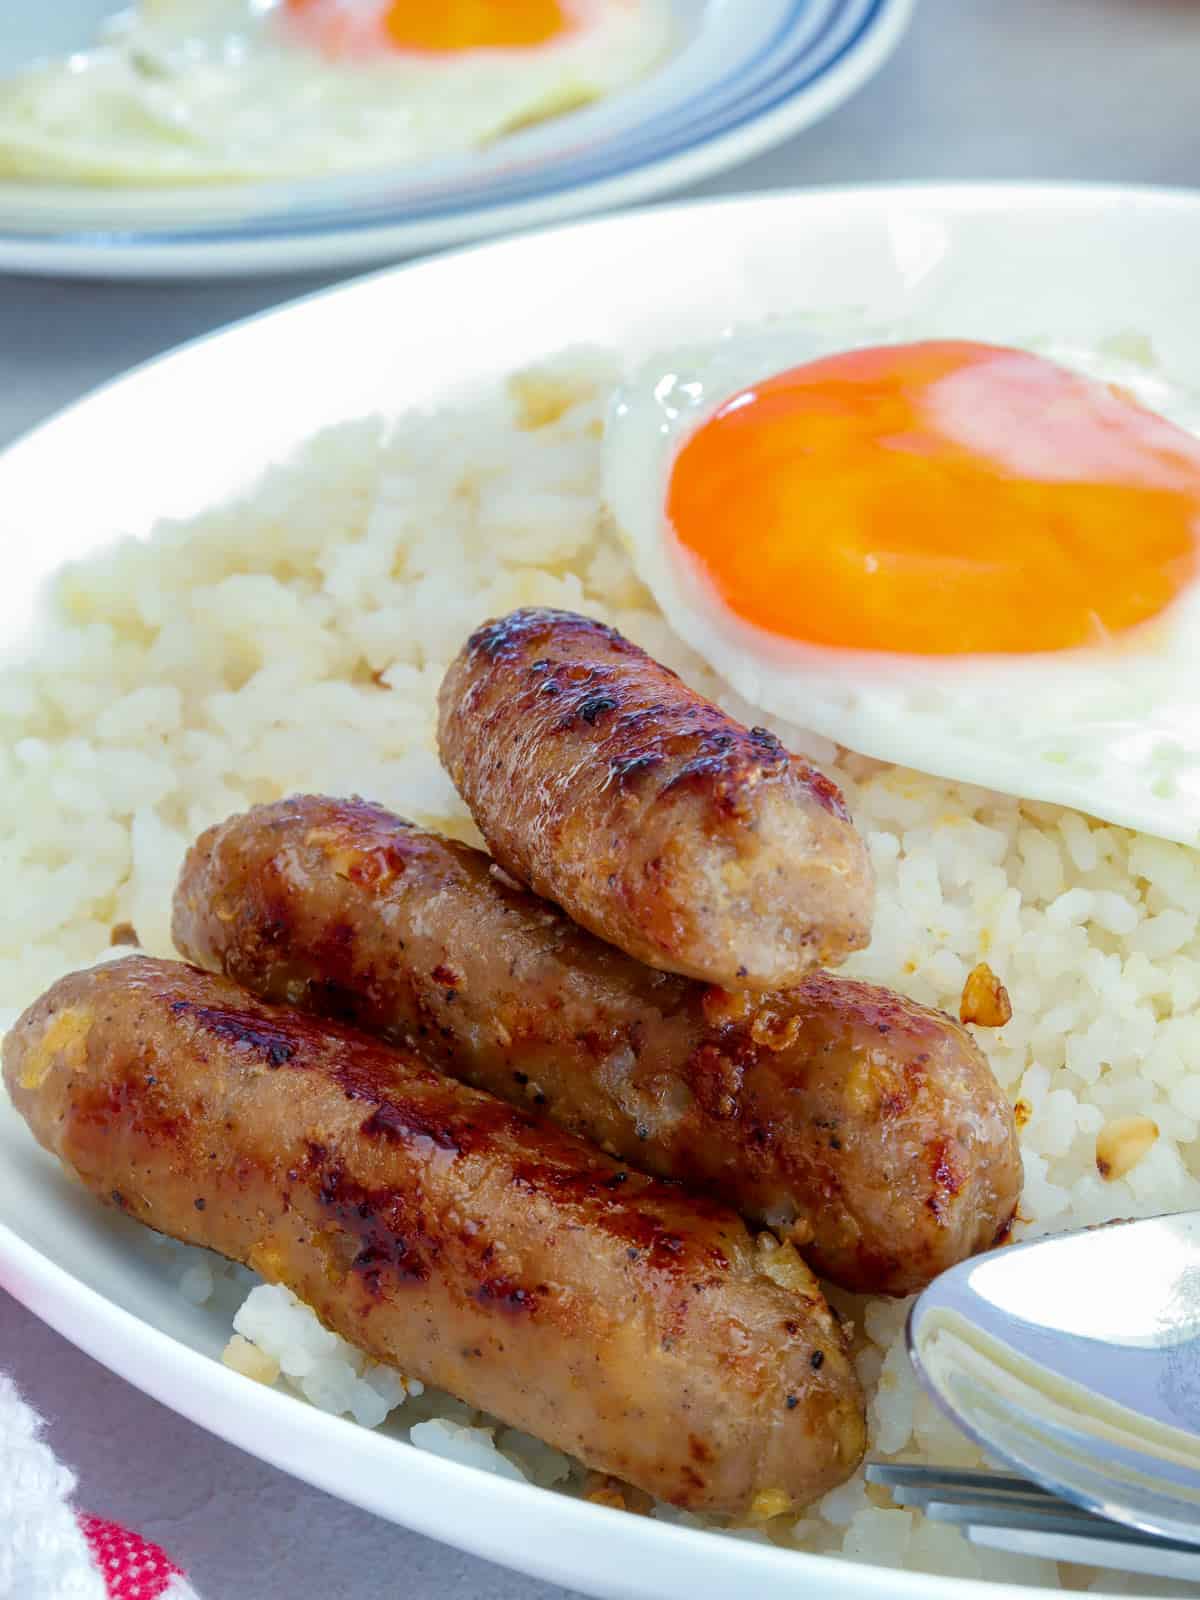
995 262
744 77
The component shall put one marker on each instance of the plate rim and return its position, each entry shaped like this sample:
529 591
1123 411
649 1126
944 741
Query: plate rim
981 194
124 254
120 1340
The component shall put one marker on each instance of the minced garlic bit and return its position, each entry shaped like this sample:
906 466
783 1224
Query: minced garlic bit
783 1266
1022 1112
246 1358
607 1492
768 1503
774 1030
984 1000
63 1040
541 397
1121 1144
123 933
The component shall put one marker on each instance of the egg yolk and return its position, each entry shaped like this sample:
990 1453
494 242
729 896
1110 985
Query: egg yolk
941 498
439 28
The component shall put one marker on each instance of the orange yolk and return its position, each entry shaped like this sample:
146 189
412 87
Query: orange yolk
942 498
440 28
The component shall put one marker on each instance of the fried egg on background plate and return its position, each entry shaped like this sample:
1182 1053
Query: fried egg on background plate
962 558
183 91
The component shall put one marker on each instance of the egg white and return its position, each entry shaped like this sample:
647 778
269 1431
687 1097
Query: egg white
186 91
1112 730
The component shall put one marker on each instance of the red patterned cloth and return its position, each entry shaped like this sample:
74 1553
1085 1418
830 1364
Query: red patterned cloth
132 1567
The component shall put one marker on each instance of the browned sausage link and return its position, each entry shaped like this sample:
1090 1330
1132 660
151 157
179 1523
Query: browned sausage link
437 1228
655 820
871 1124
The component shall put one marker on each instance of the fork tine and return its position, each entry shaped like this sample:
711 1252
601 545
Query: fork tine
1063 1519
1153 1558
956 1496
1010 1504
889 1472
1005 1512
914 1485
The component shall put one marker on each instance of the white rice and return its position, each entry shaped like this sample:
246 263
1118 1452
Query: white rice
295 641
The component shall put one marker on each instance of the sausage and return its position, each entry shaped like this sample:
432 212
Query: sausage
656 821
870 1126
613 1315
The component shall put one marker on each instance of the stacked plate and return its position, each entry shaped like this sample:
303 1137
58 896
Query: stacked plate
741 78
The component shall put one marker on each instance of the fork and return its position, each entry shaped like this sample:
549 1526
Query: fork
1006 1512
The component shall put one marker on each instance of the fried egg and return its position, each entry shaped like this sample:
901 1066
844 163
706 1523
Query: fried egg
184 91
975 560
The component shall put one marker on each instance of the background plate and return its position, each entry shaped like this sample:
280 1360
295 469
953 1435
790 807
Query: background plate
744 77
985 261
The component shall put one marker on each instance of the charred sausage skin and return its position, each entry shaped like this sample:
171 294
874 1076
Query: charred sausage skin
655 820
870 1125
439 1229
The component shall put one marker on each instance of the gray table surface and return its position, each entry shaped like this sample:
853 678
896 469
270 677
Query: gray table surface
1088 89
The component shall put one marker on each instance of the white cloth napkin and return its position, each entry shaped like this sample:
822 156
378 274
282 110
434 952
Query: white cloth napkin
47 1550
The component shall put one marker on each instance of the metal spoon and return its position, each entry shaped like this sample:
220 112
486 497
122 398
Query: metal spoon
1076 1360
